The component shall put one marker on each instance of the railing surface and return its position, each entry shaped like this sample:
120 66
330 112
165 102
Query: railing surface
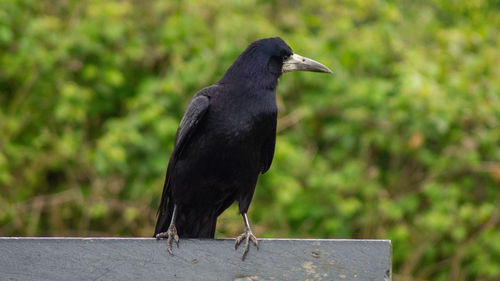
195 259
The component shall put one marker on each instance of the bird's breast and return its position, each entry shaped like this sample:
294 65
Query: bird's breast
247 129
245 119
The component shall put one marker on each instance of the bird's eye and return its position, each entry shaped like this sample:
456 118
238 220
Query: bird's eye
284 55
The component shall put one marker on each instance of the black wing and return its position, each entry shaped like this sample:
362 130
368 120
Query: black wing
189 123
194 113
267 150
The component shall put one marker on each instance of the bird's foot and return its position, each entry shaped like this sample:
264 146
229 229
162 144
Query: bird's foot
247 236
171 235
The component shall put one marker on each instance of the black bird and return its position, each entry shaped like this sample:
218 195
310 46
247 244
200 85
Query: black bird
224 141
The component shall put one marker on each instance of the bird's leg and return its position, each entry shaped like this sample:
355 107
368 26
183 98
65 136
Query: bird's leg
171 232
247 236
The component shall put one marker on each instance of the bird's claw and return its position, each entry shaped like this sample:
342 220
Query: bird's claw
171 235
247 236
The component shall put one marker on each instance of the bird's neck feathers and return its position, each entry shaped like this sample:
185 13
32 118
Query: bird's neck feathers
252 70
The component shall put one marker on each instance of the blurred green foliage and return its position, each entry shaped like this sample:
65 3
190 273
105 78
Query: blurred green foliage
402 143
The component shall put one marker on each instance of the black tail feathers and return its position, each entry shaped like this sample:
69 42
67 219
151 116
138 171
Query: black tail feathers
190 222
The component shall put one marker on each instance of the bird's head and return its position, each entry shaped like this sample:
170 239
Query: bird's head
269 58
282 59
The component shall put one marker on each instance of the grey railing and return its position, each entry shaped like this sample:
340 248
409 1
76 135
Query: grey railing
195 259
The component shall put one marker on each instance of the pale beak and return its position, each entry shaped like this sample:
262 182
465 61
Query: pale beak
300 63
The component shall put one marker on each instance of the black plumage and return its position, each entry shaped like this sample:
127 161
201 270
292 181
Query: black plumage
224 141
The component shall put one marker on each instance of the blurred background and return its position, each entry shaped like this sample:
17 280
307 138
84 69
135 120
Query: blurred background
402 143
